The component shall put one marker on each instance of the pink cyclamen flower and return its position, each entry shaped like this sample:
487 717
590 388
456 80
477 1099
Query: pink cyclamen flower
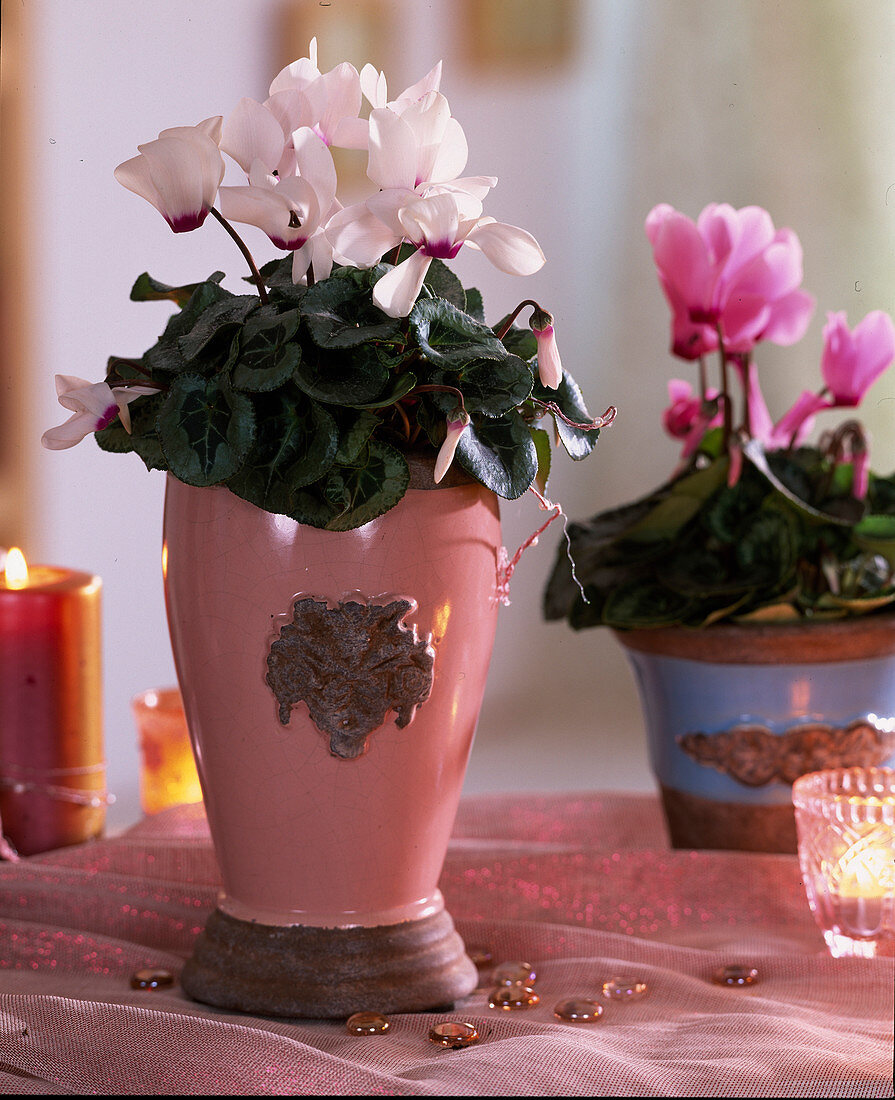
549 363
179 173
687 417
733 271
457 423
851 362
94 405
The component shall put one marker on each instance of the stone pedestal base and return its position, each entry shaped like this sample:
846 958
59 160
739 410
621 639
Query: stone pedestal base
309 972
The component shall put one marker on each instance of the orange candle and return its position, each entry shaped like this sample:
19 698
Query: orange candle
52 770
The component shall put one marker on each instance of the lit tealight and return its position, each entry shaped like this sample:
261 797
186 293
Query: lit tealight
15 571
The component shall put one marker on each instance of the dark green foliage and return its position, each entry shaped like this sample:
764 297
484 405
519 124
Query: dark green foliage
787 540
304 405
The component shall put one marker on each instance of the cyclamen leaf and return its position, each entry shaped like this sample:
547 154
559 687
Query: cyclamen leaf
295 445
346 378
147 289
489 386
143 437
542 448
354 435
475 307
450 338
267 353
339 314
205 429
444 284
369 487
227 314
519 341
501 454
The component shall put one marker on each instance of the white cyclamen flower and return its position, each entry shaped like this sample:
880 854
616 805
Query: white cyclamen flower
94 405
179 173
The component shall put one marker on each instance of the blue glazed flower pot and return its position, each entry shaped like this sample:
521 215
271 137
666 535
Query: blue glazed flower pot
735 713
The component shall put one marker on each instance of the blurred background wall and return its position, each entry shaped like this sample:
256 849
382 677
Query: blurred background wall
589 112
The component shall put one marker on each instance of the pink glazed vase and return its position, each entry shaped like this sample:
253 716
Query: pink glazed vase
332 683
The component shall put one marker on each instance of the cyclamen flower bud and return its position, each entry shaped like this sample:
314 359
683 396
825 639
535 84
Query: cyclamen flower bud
549 364
457 423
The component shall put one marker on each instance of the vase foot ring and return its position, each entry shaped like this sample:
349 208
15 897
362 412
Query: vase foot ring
328 973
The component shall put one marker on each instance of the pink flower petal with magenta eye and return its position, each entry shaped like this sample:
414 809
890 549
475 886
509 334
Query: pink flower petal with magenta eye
789 318
681 256
853 360
793 423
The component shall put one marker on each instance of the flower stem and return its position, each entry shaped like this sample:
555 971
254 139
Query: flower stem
256 274
508 323
725 388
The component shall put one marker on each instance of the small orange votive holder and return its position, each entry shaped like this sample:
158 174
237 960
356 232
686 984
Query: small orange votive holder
168 775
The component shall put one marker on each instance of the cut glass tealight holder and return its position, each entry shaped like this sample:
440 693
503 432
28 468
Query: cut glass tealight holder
845 819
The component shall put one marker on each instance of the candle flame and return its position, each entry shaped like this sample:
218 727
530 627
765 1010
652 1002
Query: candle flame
16 569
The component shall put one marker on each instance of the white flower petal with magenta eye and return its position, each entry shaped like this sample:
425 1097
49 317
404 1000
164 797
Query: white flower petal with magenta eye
429 83
343 98
359 236
262 207
351 133
134 175
451 153
294 109
315 164
66 386
373 85
299 73
90 397
399 288
509 248
186 173
253 133
435 219
428 118
393 151
477 186
68 434
321 255
386 204
301 259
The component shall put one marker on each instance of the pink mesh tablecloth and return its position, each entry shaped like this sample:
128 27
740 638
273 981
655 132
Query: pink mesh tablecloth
582 886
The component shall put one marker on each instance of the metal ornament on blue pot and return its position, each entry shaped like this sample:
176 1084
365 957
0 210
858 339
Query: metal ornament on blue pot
736 713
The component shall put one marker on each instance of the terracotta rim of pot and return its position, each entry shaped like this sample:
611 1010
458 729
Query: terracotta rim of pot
422 472
820 641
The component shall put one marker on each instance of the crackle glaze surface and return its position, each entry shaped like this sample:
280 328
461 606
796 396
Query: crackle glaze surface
302 836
